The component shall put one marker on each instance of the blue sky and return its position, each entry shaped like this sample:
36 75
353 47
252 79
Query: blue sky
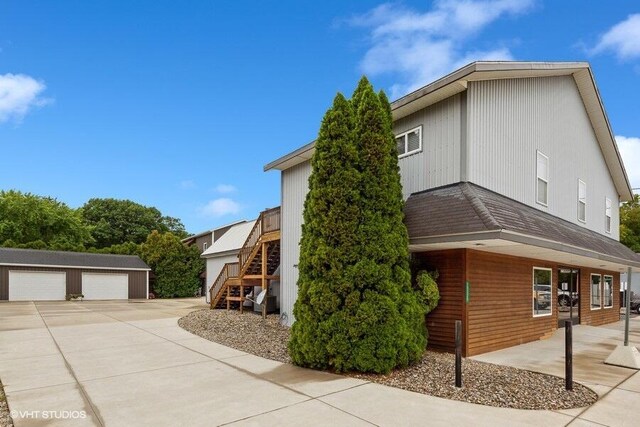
179 105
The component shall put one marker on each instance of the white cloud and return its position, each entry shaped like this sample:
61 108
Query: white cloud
19 93
225 188
187 184
221 207
623 39
422 46
630 151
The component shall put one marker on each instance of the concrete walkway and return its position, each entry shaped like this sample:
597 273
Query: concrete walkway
128 363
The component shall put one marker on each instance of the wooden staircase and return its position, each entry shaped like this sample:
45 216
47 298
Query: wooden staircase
258 261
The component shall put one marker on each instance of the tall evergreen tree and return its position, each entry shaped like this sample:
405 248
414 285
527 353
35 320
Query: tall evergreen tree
329 244
356 309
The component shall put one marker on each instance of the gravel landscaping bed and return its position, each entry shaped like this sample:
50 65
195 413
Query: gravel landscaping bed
5 417
483 383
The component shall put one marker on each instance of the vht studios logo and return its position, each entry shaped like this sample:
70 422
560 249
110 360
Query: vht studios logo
50 415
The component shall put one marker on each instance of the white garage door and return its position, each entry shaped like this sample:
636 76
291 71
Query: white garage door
37 285
105 286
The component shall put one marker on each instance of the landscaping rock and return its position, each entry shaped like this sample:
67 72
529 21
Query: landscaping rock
5 416
483 383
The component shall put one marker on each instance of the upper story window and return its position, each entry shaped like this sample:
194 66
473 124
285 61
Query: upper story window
204 246
542 182
607 215
409 142
582 201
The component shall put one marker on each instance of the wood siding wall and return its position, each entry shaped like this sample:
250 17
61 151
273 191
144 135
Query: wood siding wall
603 315
441 321
500 310
137 279
500 313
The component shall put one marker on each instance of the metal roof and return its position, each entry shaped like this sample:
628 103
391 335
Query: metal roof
457 81
230 241
36 257
466 211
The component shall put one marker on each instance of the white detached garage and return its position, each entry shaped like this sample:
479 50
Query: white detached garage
35 275
105 286
37 285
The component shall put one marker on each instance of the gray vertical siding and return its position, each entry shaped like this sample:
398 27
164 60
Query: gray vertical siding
508 120
439 161
137 279
295 185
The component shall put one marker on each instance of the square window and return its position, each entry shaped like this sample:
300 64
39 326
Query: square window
409 142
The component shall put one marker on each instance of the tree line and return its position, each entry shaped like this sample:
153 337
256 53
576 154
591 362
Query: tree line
104 225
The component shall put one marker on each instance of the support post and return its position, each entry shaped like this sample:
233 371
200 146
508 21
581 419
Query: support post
627 310
241 297
228 295
568 355
458 353
264 280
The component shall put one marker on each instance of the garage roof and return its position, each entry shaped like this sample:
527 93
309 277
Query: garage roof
40 258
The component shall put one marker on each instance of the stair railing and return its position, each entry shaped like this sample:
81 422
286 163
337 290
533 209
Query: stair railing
229 270
269 220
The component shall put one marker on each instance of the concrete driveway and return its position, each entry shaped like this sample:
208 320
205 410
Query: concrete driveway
128 363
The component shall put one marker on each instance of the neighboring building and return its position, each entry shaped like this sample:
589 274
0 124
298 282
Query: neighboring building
243 266
225 250
34 275
513 181
204 241
201 240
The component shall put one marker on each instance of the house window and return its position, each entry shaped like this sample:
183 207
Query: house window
542 184
596 295
607 215
542 296
608 291
409 142
204 246
582 201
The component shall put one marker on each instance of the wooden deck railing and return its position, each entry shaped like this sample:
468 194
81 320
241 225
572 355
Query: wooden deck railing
269 220
230 269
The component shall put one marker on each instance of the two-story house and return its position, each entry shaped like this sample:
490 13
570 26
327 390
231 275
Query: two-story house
512 180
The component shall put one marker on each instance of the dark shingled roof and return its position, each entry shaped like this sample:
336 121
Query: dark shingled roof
467 208
13 256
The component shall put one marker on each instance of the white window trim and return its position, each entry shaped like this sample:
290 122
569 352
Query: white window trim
404 134
538 152
591 289
533 284
604 278
584 221
204 246
607 201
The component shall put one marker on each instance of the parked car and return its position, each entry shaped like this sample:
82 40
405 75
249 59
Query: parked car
542 296
566 298
635 306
